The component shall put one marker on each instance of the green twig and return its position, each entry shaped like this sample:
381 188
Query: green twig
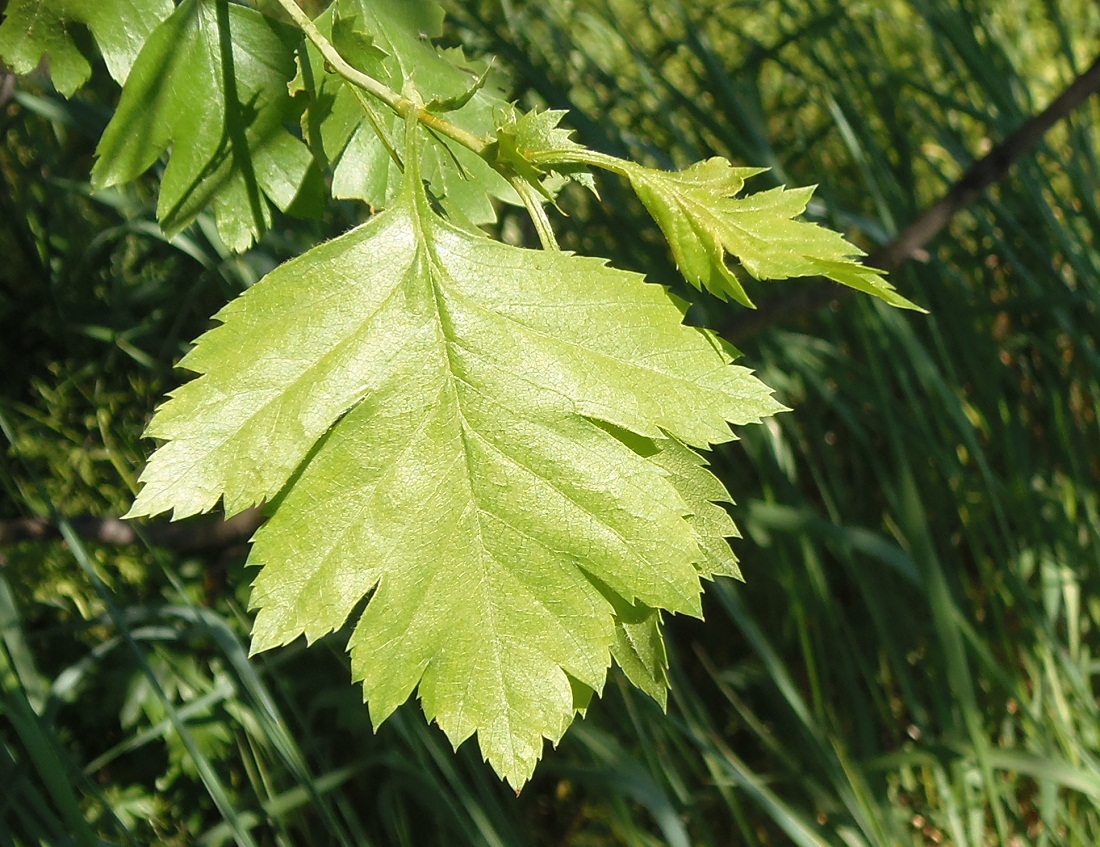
400 104
582 156
537 212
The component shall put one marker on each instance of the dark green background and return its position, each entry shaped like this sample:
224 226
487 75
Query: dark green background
912 659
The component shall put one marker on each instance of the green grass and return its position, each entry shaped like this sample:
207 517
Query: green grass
911 660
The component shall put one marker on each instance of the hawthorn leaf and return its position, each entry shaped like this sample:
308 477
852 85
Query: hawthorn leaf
392 43
354 42
420 403
687 471
234 153
702 220
33 29
453 103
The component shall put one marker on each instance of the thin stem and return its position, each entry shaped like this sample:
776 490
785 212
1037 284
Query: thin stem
583 156
398 103
537 212
376 125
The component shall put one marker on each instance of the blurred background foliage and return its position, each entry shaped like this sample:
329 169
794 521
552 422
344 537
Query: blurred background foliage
913 659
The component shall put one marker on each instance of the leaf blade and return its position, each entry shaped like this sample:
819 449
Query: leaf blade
234 153
393 43
34 29
702 220
442 456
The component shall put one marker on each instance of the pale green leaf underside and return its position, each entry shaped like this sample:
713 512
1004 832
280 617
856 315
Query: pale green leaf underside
703 220
702 491
639 649
36 28
687 471
234 153
432 392
639 646
701 216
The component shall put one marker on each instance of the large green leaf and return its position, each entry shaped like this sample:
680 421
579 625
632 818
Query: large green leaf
36 28
392 43
211 86
421 403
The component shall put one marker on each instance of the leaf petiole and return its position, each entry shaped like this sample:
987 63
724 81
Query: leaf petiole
537 211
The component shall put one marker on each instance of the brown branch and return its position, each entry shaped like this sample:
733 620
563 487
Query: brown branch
911 241
207 532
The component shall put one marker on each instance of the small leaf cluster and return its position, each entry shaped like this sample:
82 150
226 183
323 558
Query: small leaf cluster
496 445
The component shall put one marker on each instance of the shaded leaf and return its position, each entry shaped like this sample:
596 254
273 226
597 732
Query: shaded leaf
703 492
639 648
33 29
392 43
234 153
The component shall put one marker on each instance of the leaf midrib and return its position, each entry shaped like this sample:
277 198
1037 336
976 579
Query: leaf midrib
435 274
588 352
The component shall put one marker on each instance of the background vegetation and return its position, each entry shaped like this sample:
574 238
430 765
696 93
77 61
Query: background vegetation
913 657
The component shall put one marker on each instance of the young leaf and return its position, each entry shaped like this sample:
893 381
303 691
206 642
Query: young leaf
423 399
391 42
702 220
521 138
701 216
234 152
36 28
